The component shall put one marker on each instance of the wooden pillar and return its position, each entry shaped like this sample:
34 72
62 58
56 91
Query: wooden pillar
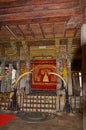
57 41
69 78
83 44
28 77
9 78
27 59
2 81
28 87
18 71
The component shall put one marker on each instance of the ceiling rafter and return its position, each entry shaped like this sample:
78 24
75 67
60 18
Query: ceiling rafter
64 30
31 30
54 30
35 20
77 29
9 29
3 32
26 49
24 36
42 31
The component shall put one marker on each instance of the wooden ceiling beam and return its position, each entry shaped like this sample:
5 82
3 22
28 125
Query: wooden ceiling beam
75 33
43 13
77 29
21 32
33 20
42 31
13 34
64 30
31 8
31 30
37 42
54 30
5 4
40 16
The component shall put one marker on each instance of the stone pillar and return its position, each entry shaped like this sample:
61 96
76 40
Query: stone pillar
2 81
83 44
9 78
69 78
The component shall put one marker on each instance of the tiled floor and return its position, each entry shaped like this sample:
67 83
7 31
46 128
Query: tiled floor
60 122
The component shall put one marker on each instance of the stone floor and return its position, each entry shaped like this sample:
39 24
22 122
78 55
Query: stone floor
60 122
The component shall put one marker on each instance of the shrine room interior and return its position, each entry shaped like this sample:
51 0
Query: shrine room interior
42 64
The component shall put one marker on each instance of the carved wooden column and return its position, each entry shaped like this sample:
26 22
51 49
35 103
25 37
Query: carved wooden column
28 77
58 65
9 78
13 46
27 59
2 71
83 44
18 71
0 79
17 62
69 78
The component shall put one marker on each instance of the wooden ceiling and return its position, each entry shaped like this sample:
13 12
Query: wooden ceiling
40 22
40 19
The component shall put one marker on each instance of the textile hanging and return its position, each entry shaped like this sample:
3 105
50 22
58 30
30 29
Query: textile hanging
41 79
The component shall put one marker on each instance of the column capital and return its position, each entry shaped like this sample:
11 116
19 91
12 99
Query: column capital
26 50
57 41
70 40
69 47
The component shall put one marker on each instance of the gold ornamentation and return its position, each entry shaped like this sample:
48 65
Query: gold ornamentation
45 79
58 75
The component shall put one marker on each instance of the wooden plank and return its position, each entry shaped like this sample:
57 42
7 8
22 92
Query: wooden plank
31 30
5 4
21 31
13 34
31 8
42 16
